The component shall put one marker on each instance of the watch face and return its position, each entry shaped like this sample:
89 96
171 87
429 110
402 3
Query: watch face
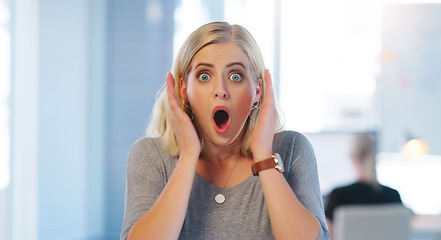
279 161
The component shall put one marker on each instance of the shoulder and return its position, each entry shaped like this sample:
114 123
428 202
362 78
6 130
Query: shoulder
290 138
147 151
293 143
145 143
345 189
295 150
392 193
389 189
289 135
143 147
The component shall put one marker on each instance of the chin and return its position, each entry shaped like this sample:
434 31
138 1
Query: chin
227 138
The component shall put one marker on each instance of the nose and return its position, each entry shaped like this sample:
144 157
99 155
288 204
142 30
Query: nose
221 91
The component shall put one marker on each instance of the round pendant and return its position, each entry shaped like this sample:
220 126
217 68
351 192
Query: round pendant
219 198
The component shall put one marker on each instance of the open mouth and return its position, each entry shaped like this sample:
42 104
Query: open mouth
221 120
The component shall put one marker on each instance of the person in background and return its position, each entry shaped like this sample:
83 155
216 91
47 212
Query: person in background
220 166
366 189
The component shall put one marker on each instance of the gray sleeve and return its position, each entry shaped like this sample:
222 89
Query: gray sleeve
146 177
302 174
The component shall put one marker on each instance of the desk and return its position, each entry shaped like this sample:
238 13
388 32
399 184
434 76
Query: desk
426 227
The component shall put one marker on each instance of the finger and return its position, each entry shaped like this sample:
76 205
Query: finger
269 93
172 98
170 83
268 82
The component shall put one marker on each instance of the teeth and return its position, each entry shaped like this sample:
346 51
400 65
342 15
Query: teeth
221 118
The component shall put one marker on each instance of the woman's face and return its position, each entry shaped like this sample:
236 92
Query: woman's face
221 90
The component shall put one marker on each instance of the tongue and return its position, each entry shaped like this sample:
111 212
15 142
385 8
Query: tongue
221 120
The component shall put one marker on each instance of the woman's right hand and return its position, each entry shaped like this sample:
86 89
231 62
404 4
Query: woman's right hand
184 130
165 218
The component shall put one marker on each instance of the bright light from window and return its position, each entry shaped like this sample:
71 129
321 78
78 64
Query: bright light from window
257 16
416 181
329 62
4 95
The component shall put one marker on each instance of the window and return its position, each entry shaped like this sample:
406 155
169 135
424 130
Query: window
328 64
255 15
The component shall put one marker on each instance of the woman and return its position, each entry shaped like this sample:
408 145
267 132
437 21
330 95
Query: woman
216 123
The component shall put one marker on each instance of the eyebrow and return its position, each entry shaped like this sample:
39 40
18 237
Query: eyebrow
204 64
237 63
229 65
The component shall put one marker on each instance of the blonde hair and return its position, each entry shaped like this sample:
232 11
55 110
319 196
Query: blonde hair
211 33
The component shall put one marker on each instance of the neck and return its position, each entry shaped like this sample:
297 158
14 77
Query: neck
369 177
224 166
221 160
366 172
221 154
219 168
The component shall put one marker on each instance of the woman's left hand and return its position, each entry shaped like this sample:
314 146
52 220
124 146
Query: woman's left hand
263 133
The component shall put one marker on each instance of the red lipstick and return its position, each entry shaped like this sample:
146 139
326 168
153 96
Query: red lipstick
221 119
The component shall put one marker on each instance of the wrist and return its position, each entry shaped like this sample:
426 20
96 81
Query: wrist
189 158
261 156
275 161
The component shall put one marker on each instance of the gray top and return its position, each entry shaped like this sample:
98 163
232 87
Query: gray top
244 214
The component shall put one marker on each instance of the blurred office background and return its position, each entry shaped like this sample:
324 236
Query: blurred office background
78 79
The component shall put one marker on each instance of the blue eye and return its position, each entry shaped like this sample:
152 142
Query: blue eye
204 77
236 77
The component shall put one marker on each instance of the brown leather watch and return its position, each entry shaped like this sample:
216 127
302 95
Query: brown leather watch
275 161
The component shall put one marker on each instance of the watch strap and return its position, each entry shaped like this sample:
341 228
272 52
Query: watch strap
263 165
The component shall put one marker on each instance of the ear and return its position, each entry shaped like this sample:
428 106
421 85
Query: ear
183 89
258 91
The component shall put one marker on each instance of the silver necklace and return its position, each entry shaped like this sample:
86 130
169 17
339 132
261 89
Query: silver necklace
220 198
